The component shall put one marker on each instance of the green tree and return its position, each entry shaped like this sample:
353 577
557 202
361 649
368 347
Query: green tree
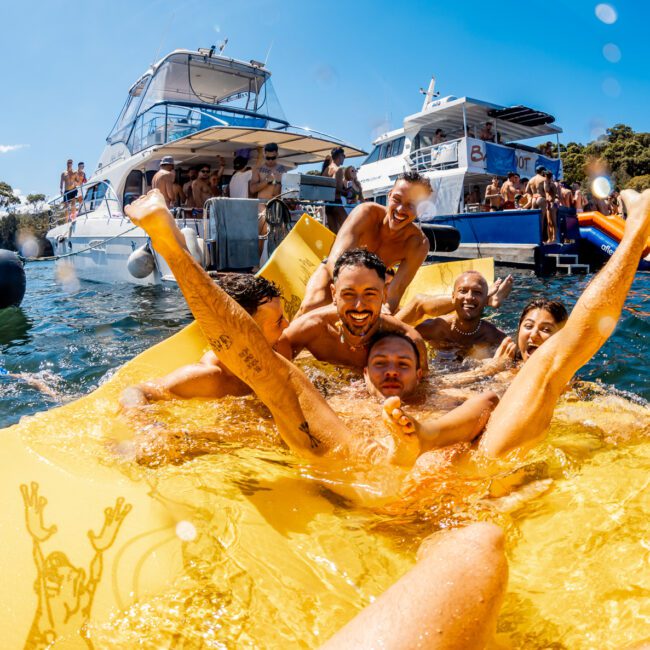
8 224
7 197
639 183
35 199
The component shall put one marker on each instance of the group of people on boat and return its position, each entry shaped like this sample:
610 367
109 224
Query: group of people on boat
352 316
70 185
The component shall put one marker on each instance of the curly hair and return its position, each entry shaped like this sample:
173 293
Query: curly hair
359 257
249 291
554 307
414 177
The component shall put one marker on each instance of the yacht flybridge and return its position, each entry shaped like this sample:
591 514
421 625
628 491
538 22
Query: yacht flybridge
193 106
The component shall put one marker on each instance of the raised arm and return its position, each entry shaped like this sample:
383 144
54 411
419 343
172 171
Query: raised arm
424 306
305 421
415 253
526 409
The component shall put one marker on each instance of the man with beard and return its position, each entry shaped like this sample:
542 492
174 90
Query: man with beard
464 328
341 333
389 232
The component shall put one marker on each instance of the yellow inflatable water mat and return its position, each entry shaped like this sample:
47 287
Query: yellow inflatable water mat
242 546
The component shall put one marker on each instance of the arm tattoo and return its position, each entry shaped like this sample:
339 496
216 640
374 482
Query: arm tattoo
251 361
314 442
223 342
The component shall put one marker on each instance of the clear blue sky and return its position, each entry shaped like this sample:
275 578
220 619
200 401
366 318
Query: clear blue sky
350 69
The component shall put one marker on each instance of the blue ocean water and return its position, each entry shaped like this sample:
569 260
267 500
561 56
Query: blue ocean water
73 340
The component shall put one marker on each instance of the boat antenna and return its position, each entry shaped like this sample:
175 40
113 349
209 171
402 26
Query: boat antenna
429 94
222 46
164 35
268 53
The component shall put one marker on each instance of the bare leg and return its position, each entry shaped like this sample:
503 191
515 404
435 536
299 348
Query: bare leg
526 409
449 600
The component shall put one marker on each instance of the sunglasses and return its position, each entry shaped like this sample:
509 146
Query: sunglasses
271 157
205 171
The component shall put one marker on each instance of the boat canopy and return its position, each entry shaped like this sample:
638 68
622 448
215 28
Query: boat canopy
451 115
296 146
236 91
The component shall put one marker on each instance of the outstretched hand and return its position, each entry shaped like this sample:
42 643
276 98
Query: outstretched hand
506 351
499 291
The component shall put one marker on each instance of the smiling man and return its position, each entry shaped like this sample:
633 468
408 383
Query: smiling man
464 328
341 333
389 232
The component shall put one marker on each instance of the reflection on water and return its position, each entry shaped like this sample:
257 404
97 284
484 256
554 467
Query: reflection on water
14 325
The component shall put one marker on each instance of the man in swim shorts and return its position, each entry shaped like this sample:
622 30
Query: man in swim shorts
389 232
209 377
509 190
163 179
306 422
464 329
68 188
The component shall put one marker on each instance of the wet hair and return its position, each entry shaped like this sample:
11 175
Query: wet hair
554 307
248 291
271 147
414 177
239 163
359 257
380 336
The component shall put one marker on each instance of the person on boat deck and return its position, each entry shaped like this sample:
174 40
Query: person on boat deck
474 196
353 190
68 187
537 189
80 180
579 199
209 377
307 423
239 186
464 329
335 215
439 136
179 195
552 204
510 188
163 180
201 188
493 194
389 232
193 174
487 133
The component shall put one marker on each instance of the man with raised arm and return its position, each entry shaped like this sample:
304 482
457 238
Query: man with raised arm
389 232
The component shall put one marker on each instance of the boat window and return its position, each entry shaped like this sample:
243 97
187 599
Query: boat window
373 157
132 187
94 196
381 199
123 125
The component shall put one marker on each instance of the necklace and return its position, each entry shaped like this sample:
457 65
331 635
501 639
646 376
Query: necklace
456 329
341 332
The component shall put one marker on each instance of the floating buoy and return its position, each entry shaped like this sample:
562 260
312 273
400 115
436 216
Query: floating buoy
141 262
193 244
12 279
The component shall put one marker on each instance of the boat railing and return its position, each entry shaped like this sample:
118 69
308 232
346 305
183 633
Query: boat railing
89 198
436 156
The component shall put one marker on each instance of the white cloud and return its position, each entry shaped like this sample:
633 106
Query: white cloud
6 148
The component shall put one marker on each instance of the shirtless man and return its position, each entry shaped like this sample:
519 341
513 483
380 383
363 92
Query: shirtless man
335 215
493 194
465 329
566 195
487 133
209 377
80 180
163 179
201 190
389 232
538 189
579 199
341 333
509 191
193 174
552 205
68 188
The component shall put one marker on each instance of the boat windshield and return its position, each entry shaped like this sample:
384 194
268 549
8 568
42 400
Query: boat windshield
210 90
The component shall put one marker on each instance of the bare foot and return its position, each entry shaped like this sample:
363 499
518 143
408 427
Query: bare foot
151 214
499 291
404 430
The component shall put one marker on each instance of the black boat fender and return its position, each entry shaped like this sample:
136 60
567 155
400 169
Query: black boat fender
443 239
12 279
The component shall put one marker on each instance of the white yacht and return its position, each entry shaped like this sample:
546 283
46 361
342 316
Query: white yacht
193 106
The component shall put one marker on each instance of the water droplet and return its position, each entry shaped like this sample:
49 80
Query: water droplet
611 87
606 325
319 244
601 187
186 531
606 13
612 52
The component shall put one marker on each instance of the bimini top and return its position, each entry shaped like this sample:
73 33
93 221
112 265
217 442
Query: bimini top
190 102
513 123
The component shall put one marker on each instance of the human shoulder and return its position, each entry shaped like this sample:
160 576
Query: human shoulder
433 327
491 333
